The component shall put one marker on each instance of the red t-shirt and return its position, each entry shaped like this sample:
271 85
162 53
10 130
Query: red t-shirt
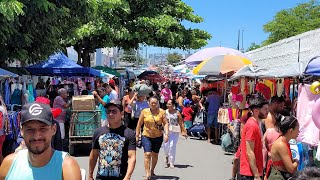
187 113
251 132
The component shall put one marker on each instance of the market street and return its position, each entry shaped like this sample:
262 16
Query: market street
196 160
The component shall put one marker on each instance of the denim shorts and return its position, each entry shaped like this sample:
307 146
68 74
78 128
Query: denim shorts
212 119
151 144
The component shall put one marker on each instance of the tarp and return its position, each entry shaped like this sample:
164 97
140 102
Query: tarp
289 70
59 64
5 73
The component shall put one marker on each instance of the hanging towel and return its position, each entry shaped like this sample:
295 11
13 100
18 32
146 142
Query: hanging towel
30 94
309 133
269 84
287 87
251 86
280 87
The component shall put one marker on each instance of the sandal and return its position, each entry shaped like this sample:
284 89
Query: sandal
146 178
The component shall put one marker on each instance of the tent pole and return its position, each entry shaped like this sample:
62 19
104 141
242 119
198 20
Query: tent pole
225 89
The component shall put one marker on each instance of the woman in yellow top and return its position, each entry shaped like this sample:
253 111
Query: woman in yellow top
153 120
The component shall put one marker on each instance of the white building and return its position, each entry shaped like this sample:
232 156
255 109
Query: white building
102 57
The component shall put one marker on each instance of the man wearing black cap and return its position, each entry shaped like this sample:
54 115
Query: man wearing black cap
115 145
39 160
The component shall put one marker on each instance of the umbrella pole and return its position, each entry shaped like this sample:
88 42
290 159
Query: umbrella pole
225 89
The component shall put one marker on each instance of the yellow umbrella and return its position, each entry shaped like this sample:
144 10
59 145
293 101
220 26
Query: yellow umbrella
221 64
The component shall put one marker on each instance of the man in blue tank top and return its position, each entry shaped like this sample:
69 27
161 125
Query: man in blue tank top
39 160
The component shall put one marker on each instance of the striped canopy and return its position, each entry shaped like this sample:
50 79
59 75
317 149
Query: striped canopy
221 64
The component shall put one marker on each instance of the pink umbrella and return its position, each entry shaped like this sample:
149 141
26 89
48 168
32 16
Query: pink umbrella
206 53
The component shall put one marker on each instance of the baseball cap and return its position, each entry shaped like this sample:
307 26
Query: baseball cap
112 82
55 111
186 102
36 111
116 103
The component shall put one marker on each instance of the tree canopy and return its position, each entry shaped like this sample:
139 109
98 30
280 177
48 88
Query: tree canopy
32 30
253 46
128 23
174 58
294 21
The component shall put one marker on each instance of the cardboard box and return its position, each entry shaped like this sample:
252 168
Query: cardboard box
83 103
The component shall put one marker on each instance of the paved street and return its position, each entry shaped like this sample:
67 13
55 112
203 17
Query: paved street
196 160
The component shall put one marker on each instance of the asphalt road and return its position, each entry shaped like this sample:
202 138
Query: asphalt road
196 160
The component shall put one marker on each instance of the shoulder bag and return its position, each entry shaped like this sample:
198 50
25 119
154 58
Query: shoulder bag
172 128
159 127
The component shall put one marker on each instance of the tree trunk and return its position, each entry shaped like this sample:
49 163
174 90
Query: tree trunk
79 51
86 58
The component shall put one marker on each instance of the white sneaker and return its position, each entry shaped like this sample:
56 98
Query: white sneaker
171 166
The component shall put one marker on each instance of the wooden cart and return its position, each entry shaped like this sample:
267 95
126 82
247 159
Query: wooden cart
82 126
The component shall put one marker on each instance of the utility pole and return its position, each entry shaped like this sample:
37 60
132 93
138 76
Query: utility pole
238 46
242 50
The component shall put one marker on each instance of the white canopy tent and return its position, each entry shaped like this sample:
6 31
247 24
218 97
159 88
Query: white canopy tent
288 70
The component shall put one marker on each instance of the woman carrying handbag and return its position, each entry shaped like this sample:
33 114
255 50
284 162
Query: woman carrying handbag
176 127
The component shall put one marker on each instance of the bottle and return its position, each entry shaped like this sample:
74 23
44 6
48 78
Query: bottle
294 150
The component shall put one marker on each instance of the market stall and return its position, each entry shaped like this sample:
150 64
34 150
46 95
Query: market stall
59 64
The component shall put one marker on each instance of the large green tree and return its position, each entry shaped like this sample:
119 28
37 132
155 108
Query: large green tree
32 30
127 23
294 21
253 46
174 58
131 56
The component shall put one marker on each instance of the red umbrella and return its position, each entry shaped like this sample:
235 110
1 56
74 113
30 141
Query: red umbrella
154 78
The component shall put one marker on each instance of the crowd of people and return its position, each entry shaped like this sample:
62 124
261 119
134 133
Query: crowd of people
152 119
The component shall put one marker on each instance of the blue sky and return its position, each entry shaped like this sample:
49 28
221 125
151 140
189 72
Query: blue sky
223 19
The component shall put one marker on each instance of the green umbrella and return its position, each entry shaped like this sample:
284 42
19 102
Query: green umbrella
108 70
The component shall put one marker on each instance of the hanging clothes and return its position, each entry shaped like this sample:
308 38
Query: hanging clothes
30 94
7 92
280 86
309 133
251 86
16 97
264 90
270 85
242 104
287 87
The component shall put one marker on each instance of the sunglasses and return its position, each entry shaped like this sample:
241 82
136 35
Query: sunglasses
113 111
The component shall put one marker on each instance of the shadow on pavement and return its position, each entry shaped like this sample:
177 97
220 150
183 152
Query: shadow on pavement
165 177
180 166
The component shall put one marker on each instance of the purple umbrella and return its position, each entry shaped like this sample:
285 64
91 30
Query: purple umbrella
204 54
